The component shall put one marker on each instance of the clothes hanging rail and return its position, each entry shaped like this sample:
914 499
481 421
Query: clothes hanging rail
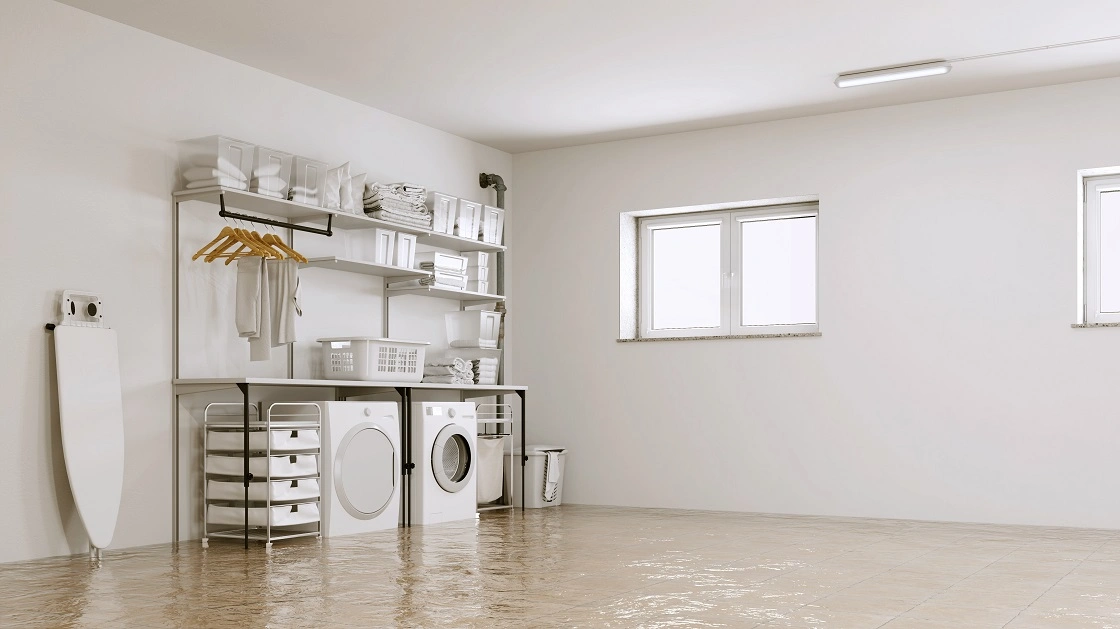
266 221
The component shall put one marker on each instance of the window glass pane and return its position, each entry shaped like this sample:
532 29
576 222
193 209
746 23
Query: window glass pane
779 271
1110 252
686 277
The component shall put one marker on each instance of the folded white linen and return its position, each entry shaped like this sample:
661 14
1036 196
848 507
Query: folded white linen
225 182
267 170
220 163
199 173
447 380
269 183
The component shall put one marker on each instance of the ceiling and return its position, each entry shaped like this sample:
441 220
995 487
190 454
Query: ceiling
523 75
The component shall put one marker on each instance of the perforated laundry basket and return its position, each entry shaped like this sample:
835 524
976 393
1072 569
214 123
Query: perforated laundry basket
538 493
367 358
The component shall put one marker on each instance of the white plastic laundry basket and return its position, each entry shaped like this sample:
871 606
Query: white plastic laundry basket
535 486
365 358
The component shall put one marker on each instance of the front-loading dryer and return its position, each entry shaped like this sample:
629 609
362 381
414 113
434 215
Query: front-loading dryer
443 450
361 467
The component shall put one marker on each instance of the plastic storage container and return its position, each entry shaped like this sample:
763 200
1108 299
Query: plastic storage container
537 491
469 219
367 358
492 226
276 491
309 181
229 158
272 173
274 440
473 328
443 212
477 258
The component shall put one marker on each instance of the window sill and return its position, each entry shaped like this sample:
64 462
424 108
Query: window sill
722 338
1095 325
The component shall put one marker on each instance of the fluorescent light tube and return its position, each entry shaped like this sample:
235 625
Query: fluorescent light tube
894 73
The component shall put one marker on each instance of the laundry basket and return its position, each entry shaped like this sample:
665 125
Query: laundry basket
365 358
539 492
491 468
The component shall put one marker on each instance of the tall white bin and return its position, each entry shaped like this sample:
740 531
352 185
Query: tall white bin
536 489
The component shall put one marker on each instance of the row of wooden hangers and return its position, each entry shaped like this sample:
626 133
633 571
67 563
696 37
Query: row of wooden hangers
247 243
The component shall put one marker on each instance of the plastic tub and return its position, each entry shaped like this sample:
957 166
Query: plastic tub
443 212
272 172
229 158
473 328
366 358
309 181
535 487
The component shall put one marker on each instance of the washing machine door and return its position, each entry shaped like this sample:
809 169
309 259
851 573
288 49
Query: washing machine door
365 471
452 458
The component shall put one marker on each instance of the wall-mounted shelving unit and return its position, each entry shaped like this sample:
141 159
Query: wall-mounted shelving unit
362 267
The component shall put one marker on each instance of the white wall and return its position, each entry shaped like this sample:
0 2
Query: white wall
90 112
947 385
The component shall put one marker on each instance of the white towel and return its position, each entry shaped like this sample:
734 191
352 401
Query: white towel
200 173
267 170
551 475
214 161
247 304
447 380
268 183
225 182
288 302
260 346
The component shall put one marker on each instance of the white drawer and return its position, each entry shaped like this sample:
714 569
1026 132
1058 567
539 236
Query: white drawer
275 440
285 515
276 491
259 466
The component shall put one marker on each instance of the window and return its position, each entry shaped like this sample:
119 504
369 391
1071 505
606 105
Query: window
729 273
1102 250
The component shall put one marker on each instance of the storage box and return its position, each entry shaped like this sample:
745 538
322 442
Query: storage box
478 286
285 466
434 260
276 491
365 358
228 158
261 440
477 258
443 212
493 225
468 220
473 328
309 181
405 254
384 242
283 515
478 273
534 477
272 172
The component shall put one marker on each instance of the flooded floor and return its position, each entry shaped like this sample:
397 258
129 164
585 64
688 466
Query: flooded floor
576 566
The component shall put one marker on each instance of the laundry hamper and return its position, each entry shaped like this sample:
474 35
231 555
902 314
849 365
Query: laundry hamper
491 468
366 358
539 492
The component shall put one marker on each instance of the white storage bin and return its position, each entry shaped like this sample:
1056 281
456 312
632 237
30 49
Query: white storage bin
478 273
384 243
406 250
477 258
272 172
535 486
275 440
283 515
493 225
480 286
473 328
443 212
309 181
276 491
434 260
285 466
469 219
366 358
229 158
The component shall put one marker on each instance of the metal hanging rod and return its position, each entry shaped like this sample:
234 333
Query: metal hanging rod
267 221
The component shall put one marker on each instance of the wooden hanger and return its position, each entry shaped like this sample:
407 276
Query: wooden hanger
226 232
276 241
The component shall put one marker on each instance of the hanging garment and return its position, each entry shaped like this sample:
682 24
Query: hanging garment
260 346
247 305
551 475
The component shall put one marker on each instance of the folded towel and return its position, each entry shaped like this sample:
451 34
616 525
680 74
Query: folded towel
475 344
400 220
225 182
271 193
199 173
268 183
227 167
447 380
271 169
446 370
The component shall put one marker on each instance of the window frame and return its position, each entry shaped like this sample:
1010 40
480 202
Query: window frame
1093 188
730 262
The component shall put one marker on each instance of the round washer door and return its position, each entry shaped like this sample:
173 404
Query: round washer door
365 471
452 458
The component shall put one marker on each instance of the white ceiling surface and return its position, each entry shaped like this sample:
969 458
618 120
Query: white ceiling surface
525 75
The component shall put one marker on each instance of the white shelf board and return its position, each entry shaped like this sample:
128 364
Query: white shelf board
365 268
241 200
444 293
188 385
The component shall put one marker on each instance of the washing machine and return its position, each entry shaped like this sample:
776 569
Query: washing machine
443 450
361 469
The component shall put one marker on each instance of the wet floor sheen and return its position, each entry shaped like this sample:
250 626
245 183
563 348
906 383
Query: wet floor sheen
576 566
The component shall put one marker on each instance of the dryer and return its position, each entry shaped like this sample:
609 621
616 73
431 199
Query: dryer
361 468
443 450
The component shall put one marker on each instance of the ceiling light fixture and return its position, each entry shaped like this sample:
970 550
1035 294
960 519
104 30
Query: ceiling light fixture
939 66
893 73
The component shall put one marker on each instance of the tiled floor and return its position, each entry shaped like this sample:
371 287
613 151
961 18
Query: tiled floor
597 567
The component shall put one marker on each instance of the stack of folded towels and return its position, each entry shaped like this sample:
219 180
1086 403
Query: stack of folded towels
401 203
447 272
448 371
267 181
208 171
485 370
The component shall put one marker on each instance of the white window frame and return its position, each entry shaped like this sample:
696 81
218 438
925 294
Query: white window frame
1093 188
731 261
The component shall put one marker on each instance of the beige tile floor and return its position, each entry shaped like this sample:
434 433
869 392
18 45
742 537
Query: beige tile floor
579 566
